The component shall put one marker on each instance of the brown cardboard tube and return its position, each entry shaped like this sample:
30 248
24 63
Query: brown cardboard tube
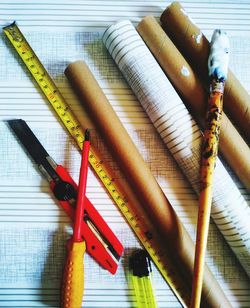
190 88
194 46
153 202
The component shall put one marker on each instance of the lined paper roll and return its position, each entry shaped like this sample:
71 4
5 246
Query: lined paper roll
180 133
195 47
175 240
190 88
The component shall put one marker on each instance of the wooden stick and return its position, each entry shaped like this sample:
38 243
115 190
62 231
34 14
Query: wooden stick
217 63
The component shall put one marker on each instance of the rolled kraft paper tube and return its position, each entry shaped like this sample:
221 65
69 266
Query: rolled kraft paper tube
180 133
154 202
194 95
189 39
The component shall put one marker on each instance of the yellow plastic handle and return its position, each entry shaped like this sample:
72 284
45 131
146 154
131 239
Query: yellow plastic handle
73 278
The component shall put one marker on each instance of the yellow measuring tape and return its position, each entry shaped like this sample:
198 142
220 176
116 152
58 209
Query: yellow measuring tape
69 120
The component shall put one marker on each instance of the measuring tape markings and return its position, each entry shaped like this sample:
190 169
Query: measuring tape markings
69 120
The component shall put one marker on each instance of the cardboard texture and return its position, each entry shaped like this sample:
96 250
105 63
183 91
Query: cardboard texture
153 203
179 132
194 95
195 47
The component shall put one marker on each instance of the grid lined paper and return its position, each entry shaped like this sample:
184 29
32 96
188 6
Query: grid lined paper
34 229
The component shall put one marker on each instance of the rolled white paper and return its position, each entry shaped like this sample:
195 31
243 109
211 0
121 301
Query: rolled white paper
180 133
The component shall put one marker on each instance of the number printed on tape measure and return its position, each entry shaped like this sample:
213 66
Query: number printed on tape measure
69 120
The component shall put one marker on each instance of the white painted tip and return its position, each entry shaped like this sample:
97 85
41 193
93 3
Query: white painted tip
219 55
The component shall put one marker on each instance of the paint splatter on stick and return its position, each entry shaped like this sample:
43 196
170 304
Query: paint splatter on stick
217 70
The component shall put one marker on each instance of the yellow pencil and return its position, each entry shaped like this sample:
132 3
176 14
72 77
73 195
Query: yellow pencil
217 69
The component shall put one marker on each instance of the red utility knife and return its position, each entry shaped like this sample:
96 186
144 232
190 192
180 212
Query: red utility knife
101 242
